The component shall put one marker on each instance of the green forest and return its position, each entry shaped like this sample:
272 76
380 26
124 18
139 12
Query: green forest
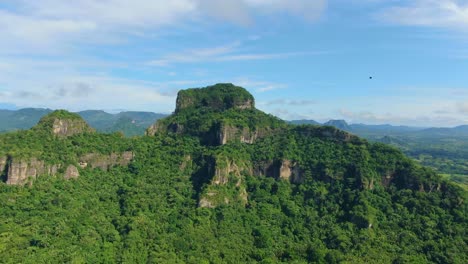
222 182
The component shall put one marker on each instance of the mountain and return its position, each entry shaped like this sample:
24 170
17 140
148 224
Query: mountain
340 124
129 123
304 122
219 181
21 119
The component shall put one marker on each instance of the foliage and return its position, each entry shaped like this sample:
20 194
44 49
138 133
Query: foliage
358 202
219 97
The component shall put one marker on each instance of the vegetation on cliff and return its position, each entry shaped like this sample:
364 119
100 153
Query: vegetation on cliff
304 194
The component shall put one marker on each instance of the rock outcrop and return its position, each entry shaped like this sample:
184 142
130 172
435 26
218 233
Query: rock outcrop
63 124
66 128
71 172
217 115
21 171
229 133
16 171
227 183
281 169
104 162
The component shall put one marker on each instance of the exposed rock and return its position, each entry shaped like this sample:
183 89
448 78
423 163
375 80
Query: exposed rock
224 168
205 203
285 170
160 127
104 162
228 133
21 171
66 128
207 106
225 171
63 124
282 169
71 172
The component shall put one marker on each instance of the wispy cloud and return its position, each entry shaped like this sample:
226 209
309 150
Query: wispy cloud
290 102
462 107
431 13
57 23
369 117
87 92
224 53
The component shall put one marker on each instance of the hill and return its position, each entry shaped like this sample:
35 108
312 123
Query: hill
130 123
219 181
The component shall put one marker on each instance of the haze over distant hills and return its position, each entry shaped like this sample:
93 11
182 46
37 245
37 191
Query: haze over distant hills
371 131
131 123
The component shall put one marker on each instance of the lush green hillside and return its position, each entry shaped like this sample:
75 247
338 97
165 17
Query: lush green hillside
261 191
443 149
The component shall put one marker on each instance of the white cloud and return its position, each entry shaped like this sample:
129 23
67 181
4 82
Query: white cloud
462 107
228 52
310 9
284 102
80 93
195 55
423 120
433 13
57 23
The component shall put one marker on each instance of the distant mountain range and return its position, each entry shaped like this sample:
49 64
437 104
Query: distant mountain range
375 131
133 123
130 123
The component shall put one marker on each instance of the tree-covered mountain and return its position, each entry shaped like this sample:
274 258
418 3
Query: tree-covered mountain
130 123
443 149
220 182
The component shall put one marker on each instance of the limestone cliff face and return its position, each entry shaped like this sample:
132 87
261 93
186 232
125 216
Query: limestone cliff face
66 128
20 171
63 124
227 185
217 115
230 133
71 172
160 127
282 169
104 162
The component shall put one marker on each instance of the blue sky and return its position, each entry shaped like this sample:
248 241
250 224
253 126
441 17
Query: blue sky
301 59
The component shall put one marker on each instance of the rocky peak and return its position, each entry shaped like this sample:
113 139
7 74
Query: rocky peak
63 124
340 124
217 115
219 97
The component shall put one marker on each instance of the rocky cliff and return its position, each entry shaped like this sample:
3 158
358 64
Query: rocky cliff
63 124
283 169
217 115
104 162
227 184
19 171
